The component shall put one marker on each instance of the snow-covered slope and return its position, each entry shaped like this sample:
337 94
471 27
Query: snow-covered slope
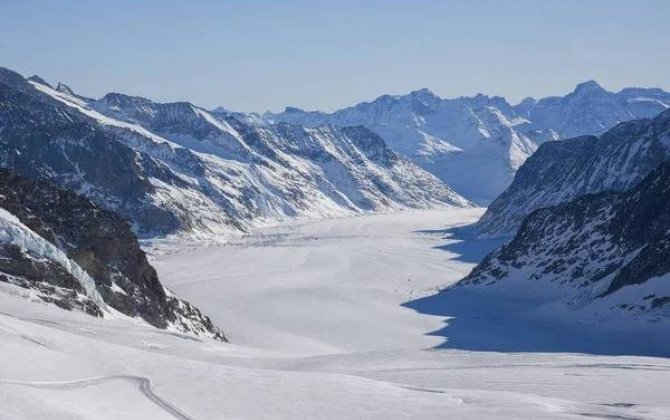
561 171
602 257
476 144
62 249
322 300
179 168
62 365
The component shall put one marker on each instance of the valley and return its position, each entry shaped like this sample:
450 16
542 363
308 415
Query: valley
221 210
314 312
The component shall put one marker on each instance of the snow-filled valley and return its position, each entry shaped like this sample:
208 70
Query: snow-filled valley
327 319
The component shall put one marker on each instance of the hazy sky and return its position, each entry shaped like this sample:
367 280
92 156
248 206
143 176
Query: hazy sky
258 55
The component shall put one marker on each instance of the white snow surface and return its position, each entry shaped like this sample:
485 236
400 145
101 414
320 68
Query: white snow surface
313 311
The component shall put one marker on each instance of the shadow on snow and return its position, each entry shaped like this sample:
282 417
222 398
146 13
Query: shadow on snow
484 320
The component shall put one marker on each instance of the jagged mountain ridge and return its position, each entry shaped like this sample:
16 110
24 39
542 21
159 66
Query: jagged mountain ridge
603 255
561 171
63 249
590 109
42 139
173 168
450 138
487 136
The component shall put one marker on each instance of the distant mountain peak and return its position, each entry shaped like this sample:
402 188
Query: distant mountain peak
424 94
293 110
422 91
35 78
63 88
115 97
525 105
528 101
590 86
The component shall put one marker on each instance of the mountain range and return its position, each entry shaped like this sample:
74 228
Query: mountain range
590 233
476 144
82 177
602 256
179 169
561 171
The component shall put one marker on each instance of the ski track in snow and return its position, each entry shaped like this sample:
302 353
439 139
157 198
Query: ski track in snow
143 385
318 327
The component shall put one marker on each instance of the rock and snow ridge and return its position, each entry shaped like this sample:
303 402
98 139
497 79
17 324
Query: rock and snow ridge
603 257
561 171
24 255
483 135
62 249
177 168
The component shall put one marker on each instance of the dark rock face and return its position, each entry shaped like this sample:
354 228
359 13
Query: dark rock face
561 171
42 139
102 244
53 283
593 248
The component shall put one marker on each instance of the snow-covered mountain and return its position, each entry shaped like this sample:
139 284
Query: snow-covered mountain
179 168
453 139
561 171
476 144
60 248
604 256
590 109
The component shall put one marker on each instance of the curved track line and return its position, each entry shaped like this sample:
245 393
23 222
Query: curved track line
142 383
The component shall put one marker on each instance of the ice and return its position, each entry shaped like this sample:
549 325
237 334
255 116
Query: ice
12 231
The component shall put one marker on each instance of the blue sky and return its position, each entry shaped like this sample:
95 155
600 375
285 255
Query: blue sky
258 55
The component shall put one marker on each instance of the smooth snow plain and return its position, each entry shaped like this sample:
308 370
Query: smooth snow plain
320 328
